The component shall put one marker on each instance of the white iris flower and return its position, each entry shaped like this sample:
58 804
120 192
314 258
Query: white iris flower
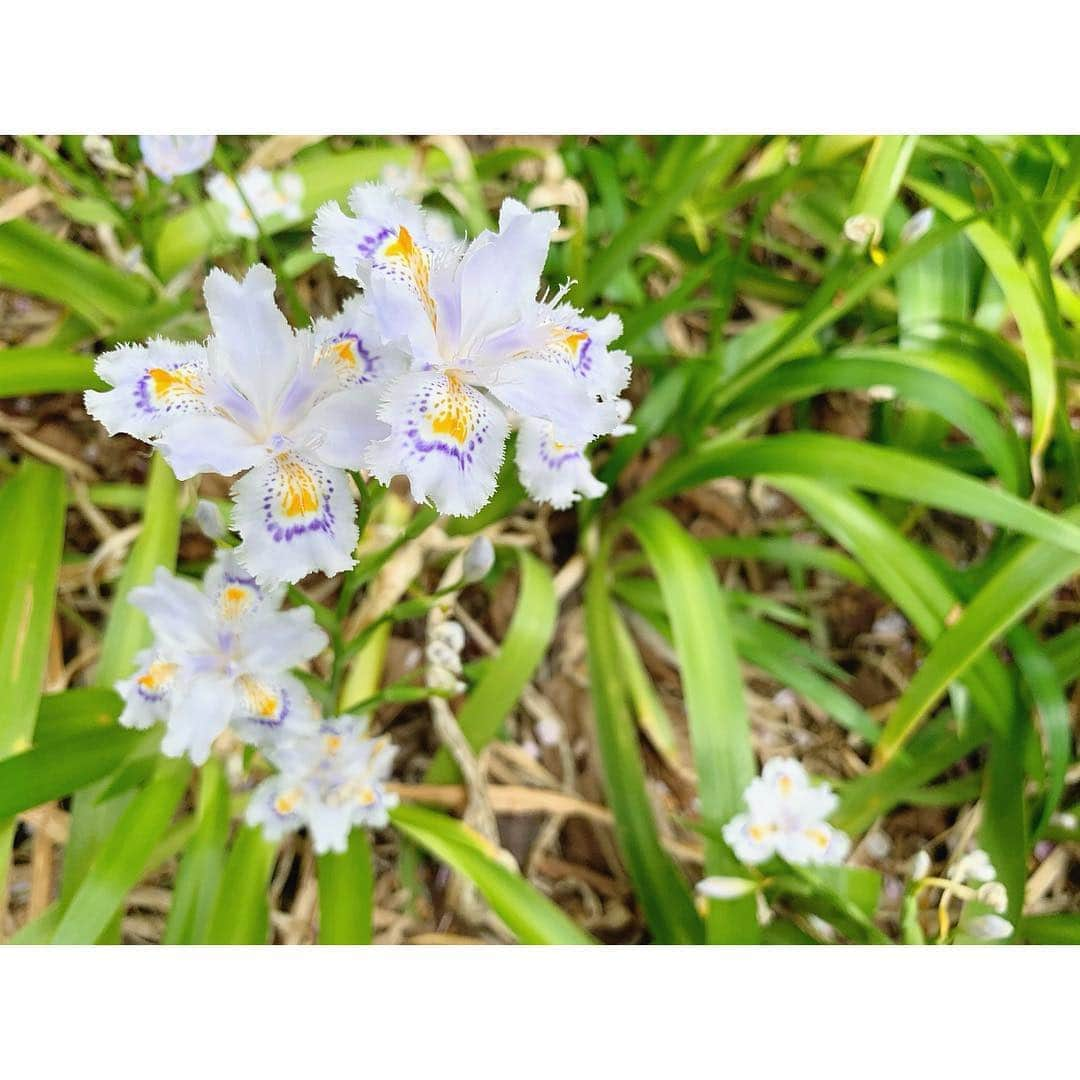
270 195
170 156
297 408
329 780
221 656
481 351
786 817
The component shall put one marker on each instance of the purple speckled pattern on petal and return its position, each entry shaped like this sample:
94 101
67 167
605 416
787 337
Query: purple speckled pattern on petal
452 408
370 244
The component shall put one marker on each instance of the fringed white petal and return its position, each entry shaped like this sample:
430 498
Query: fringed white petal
446 437
551 471
153 384
295 516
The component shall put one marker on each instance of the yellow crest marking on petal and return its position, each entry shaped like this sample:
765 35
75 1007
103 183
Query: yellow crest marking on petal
819 837
570 340
451 417
346 352
235 601
178 381
156 675
785 785
300 493
332 743
286 802
366 797
403 248
263 702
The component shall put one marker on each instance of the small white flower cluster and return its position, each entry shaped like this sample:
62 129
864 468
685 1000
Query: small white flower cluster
786 817
421 375
221 659
975 871
972 879
445 643
331 778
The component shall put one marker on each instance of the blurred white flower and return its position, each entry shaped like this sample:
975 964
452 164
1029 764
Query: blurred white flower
920 866
973 868
725 888
862 229
548 730
987 927
482 350
445 642
170 156
220 656
786 817
330 779
257 396
209 519
269 194
478 560
917 225
100 150
994 895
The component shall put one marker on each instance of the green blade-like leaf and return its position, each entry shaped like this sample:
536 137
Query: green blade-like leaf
32 507
33 261
346 883
866 467
937 393
125 634
1024 304
713 690
658 884
45 371
1052 710
1032 573
124 857
203 862
58 768
529 915
712 166
242 912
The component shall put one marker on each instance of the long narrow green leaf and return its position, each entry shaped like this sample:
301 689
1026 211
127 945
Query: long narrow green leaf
529 915
203 862
32 527
816 375
499 690
124 857
659 886
33 261
1035 571
883 174
903 574
1052 712
44 773
125 634
45 371
713 690
1024 304
712 166
346 883
866 467
242 912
